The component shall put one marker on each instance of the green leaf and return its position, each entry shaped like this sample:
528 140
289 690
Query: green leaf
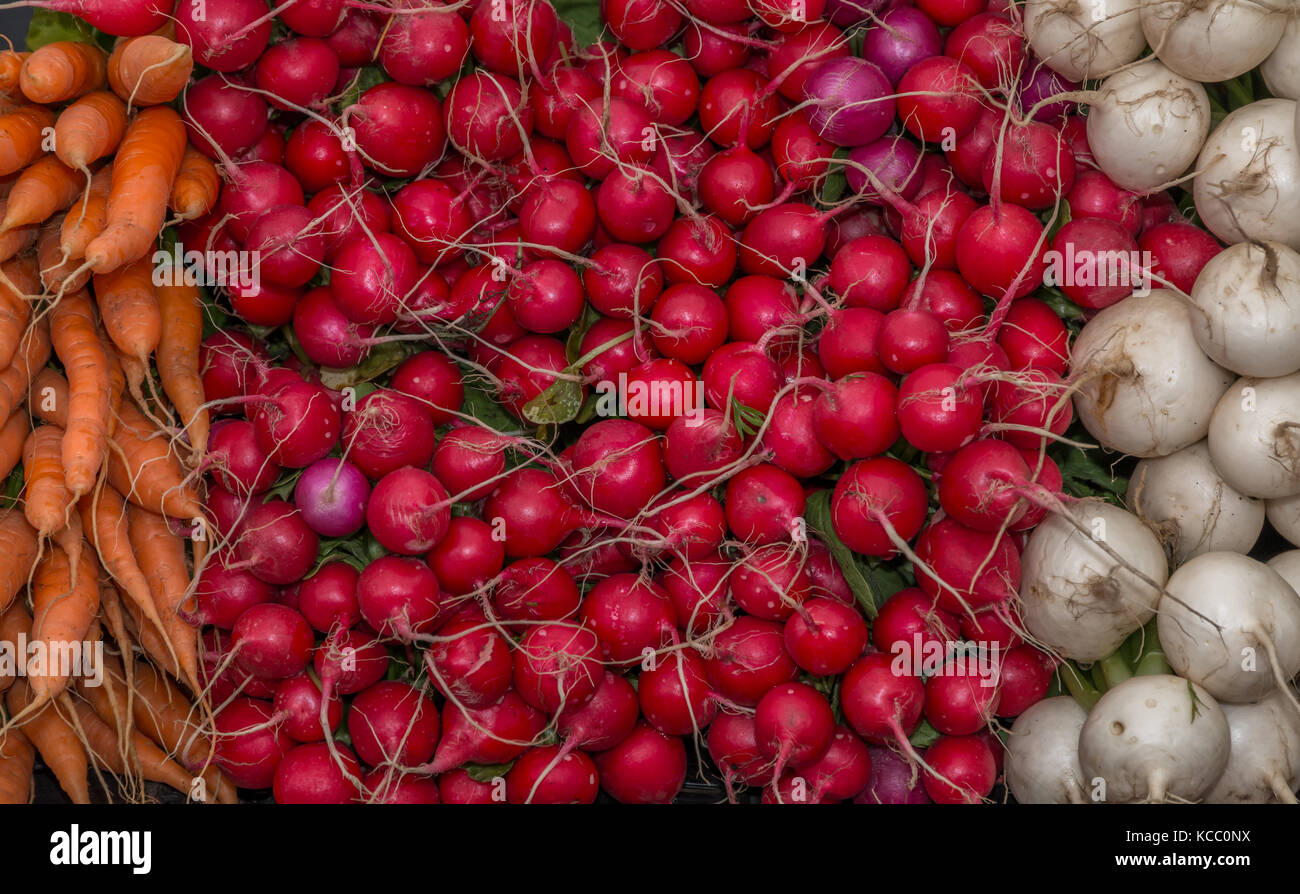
583 16
1084 477
284 485
558 404
483 407
818 516
365 79
1062 218
381 359
486 772
48 27
924 736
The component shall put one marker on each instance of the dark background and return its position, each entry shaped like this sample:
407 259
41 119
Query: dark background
13 25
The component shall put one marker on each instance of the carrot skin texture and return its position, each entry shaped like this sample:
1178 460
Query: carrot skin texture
22 137
149 70
77 345
63 70
17 760
90 129
56 741
33 353
63 611
86 218
19 545
197 186
178 359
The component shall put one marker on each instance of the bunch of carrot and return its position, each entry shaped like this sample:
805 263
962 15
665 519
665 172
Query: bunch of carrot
93 546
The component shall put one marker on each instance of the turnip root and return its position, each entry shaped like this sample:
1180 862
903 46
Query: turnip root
1287 564
1077 598
1084 39
1254 436
1284 516
1147 124
1211 41
1190 507
1247 309
1145 386
1154 738
1281 70
1264 763
1042 760
1248 180
1231 624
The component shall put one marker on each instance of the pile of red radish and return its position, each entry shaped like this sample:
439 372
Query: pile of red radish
459 560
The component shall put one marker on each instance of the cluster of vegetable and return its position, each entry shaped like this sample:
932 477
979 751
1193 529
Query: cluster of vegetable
698 380
101 496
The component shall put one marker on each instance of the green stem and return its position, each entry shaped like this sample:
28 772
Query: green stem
1152 663
1078 686
1115 670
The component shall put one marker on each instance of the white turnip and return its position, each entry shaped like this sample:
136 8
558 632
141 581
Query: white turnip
1042 762
1284 516
1152 739
1254 436
1231 624
1190 507
1264 764
1077 597
1084 39
1281 70
1146 125
1211 40
1248 180
1145 387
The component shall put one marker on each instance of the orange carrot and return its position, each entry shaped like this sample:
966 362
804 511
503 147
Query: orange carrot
62 70
86 218
129 308
149 70
44 187
15 311
89 129
65 601
143 468
161 555
48 498
178 359
54 266
12 435
77 345
146 634
56 741
15 626
18 545
17 759
116 378
16 241
22 137
11 64
197 186
32 354
144 169
104 519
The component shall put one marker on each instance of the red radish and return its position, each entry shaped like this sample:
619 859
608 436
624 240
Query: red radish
399 596
432 219
733 745
546 775
554 101
981 483
424 47
386 431
698 590
1094 195
328 598
275 543
825 637
629 616
1032 407
1001 251
694 450
744 372
503 38
527 368
962 697
558 213
880 704
792 437
758 304
664 379
1036 166
435 381
270 147
347 213
326 335
910 617
764 504
393 722
674 694
828 580
555 666
968 155
534 512
944 98
700 250
1034 337
893 780
647 767
623 280
847 343
264 304
230 362
222 118
734 183
468 461
794 726
735 99
844 771
546 296
408 511
1179 251
350 661
300 71
771 582
991 45
605 720
257 187
248 747
910 339
223 594
298 701
472 660
222 677
929 229
618 467
800 154
239 464
221 40
937 410
875 492
977 568
783 240
496 734
856 418
966 762
641 24
603 128
371 276
748 659
396 787
695 527
1026 675
467 557
611 349
458 787
399 128
690 323
871 271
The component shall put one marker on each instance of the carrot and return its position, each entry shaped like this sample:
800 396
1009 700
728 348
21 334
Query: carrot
12 435
15 626
56 741
47 185
149 70
62 70
65 601
129 309
116 378
15 311
19 546
55 267
49 391
16 241
144 168
77 345
32 354
104 519
197 186
85 220
89 129
146 634
22 136
11 63
144 469
17 760
161 555
178 359
48 498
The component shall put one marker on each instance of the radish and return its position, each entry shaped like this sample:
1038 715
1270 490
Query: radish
458 787
605 720
1034 169
843 772
546 775
892 778
471 660
764 504
298 702
1090 576
1025 673
618 467
629 616
963 695
326 335
1042 765
962 770
275 543
387 431
880 704
496 734
703 448
1084 40
847 343
1264 762
674 694
432 219
371 276
1000 250
1152 739
555 666
1147 125
698 590
469 461
1179 252
1253 437
937 410
311 774
222 118
749 658
856 417
350 661
409 511
899 38
647 767
794 726
399 596
771 582
395 787
1220 611
733 746
825 637
980 485
700 250
300 71
968 569
1248 180
248 748
239 464
910 617
792 439
1213 41
1284 516
393 723
850 101
874 498
1145 388
435 381
735 99
331 495
1192 509
223 594
910 339
467 557
256 188
225 40
895 163
536 590
938 98
399 128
